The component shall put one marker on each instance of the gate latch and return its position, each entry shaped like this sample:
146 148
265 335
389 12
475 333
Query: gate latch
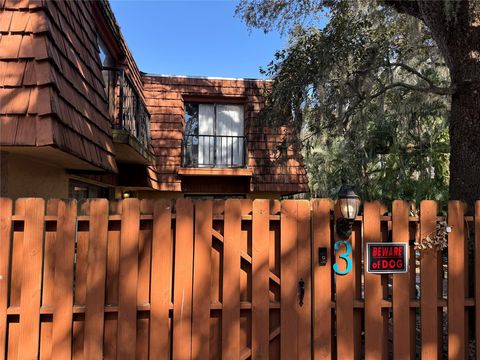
301 291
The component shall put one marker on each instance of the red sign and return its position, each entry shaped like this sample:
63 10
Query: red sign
387 258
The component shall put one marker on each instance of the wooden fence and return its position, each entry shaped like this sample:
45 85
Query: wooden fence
159 280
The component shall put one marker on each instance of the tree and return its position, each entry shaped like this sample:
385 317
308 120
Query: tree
453 27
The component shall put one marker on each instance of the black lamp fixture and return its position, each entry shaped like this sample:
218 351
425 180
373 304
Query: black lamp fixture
349 204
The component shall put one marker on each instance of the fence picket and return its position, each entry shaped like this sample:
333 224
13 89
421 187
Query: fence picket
288 276
30 296
429 278
160 281
95 284
260 280
202 280
6 207
375 338
322 278
401 286
345 293
457 265
63 295
183 278
128 273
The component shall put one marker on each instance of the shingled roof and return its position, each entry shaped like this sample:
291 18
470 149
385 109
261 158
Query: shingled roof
51 84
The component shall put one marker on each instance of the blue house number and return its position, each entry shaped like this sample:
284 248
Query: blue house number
344 256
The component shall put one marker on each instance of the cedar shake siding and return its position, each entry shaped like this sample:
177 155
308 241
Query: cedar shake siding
275 168
51 84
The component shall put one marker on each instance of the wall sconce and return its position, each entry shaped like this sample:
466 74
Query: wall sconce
126 194
349 204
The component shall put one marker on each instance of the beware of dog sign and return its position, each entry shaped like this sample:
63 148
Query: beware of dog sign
387 258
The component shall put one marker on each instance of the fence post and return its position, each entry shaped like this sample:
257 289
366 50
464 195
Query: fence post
6 207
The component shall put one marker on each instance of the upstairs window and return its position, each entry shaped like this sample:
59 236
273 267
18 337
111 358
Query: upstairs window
214 135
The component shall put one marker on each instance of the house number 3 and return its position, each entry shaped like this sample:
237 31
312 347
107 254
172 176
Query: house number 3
344 256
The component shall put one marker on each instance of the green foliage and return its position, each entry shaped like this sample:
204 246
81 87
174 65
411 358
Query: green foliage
367 94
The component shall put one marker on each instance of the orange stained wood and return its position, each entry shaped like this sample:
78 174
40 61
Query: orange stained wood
128 273
322 275
456 281
345 286
161 280
31 279
231 280
63 295
401 287
96 274
202 280
182 297
289 278
260 279
6 208
375 338
429 285
304 263
477 276
214 171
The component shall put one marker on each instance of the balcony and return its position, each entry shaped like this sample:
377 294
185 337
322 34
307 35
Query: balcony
130 118
214 155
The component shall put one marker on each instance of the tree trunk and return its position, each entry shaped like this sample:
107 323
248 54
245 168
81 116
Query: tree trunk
465 144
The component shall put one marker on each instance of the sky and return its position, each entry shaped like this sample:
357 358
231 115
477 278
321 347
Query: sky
196 38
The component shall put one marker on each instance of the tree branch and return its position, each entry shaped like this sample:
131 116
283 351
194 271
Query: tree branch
408 7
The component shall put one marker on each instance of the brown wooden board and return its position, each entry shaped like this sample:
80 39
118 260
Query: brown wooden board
63 295
322 281
31 279
401 287
161 280
456 281
183 280
260 279
375 338
6 208
289 279
128 274
231 280
430 294
96 274
201 280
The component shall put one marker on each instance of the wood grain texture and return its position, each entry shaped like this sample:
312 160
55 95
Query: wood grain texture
231 280
161 280
202 280
289 279
401 287
6 208
457 267
128 275
322 281
345 293
183 280
260 280
304 264
375 338
63 294
96 275
429 281
31 279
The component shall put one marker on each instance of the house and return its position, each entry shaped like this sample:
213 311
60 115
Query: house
79 119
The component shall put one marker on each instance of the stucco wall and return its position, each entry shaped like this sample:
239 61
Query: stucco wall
22 176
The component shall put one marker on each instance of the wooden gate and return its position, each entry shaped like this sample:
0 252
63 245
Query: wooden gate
232 280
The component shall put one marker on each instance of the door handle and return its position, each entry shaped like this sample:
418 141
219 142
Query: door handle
301 291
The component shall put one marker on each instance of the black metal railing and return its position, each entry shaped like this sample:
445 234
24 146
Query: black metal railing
225 151
127 110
